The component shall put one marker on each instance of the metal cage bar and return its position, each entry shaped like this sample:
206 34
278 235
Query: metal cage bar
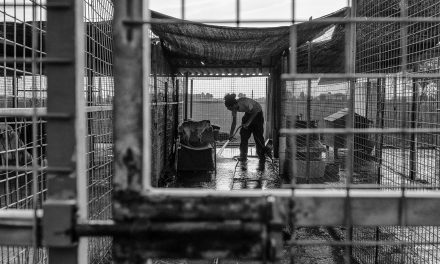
66 137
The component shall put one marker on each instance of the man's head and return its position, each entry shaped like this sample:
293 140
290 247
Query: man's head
230 101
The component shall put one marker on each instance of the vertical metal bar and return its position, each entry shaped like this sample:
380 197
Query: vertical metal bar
367 98
165 129
90 145
395 101
350 60
182 10
131 110
381 97
34 128
66 139
155 88
377 122
177 98
413 137
186 97
404 65
191 99
293 38
309 109
293 70
293 42
237 14
14 90
276 110
377 247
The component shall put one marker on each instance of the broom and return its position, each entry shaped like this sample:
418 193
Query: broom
219 153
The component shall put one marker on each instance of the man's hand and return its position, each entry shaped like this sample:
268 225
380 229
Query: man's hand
245 126
231 138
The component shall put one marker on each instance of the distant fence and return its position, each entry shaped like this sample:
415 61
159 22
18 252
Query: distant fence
216 112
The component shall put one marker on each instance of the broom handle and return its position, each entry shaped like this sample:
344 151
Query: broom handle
236 131
227 142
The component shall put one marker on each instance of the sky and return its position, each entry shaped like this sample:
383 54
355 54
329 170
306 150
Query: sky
249 9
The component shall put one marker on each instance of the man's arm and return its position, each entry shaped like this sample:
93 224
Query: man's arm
234 123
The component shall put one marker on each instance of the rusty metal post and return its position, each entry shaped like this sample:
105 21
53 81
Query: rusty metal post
130 78
66 136
131 113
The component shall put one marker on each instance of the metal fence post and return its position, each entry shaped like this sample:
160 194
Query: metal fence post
131 55
67 134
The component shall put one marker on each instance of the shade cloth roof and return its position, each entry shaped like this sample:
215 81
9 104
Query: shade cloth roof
195 45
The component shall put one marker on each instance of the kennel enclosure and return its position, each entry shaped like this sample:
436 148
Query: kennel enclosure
107 107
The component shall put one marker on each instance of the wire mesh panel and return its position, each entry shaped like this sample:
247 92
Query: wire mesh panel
395 102
22 135
99 91
390 160
167 93
328 98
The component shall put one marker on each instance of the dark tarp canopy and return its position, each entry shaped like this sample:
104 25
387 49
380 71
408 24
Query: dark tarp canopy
191 46
195 47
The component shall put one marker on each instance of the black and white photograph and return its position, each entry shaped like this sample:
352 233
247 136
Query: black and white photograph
219 132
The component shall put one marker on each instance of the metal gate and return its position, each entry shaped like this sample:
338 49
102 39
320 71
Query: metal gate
28 57
203 224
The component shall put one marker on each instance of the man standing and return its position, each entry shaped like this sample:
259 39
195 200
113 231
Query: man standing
252 123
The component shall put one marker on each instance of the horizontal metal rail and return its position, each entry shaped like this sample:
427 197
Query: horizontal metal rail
110 228
42 112
41 4
165 103
19 223
22 112
16 227
327 207
343 131
364 243
199 193
330 20
412 186
38 169
37 60
307 76
99 108
314 207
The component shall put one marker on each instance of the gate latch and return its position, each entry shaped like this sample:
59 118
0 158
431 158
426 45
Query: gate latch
58 223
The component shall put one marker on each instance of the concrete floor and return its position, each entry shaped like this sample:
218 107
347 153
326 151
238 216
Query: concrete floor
231 175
